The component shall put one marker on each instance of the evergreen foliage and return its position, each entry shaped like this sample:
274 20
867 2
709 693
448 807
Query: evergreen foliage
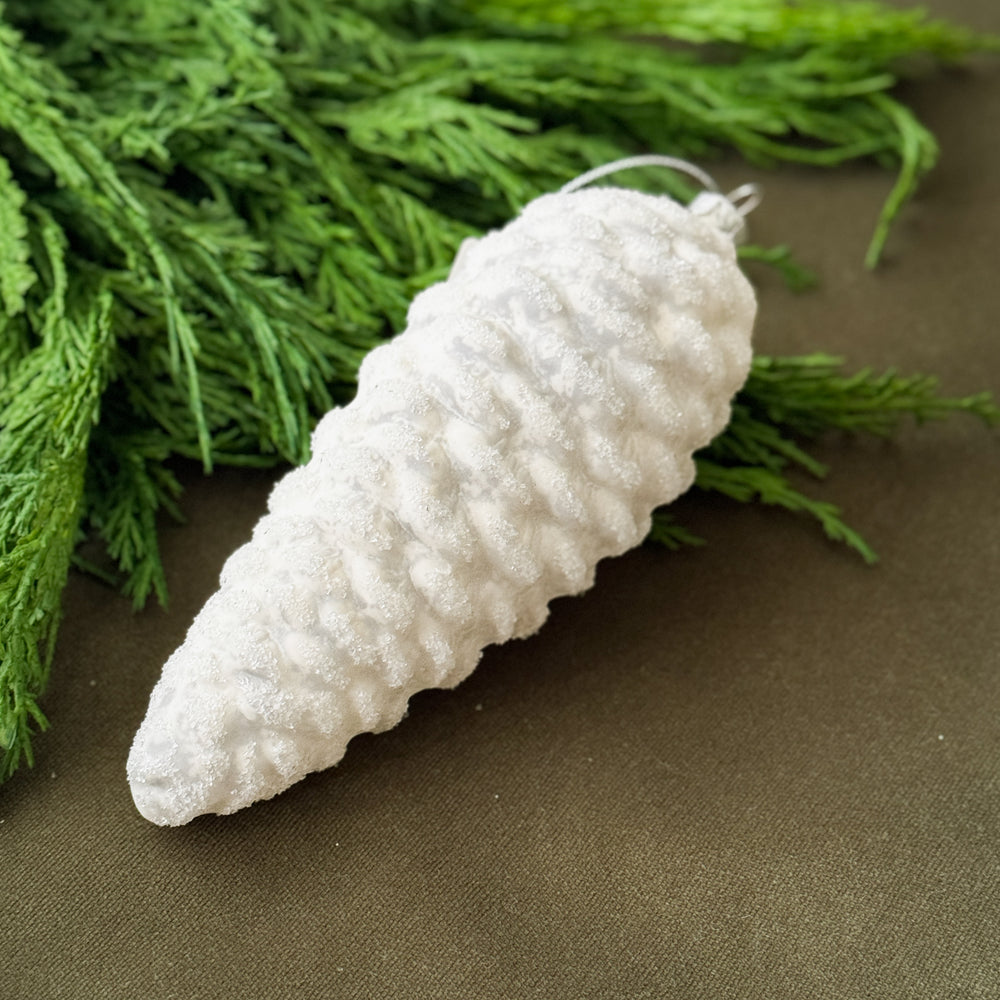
789 402
210 211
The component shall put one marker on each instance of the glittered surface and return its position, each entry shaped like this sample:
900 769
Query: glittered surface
758 769
540 404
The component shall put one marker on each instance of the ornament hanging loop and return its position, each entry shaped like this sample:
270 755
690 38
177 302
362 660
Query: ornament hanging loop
745 198
728 211
647 160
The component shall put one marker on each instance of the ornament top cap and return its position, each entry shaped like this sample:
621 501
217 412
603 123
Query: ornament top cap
727 212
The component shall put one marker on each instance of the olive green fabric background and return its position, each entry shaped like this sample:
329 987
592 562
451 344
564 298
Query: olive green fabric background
755 770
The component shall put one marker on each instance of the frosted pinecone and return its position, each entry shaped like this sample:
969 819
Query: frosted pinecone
540 404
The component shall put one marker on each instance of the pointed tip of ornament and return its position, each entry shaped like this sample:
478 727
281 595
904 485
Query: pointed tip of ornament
178 767
162 793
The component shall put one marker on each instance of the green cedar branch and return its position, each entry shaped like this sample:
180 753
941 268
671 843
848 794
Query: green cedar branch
47 412
788 402
224 204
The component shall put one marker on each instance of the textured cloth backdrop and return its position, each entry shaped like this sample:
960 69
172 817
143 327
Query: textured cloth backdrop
756 770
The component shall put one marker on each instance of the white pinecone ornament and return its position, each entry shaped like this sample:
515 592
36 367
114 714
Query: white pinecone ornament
542 401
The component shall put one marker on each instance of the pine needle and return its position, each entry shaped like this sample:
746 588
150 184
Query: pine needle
791 401
47 412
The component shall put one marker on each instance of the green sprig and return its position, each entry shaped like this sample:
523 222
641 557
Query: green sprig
788 402
211 210
47 413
